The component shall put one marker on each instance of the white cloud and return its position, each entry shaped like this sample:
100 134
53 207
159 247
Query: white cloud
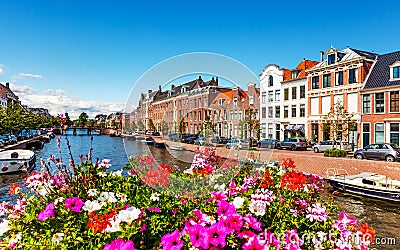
27 75
1 69
58 102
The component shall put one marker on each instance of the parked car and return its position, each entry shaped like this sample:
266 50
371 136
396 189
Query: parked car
23 135
237 144
155 133
324 145
13 139
267 143
293 144
6 140
383 151
200 141
174 137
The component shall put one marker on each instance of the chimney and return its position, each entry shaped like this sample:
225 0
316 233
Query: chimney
172 87
216 80
200 78
8 85
322 56
149 91
159 88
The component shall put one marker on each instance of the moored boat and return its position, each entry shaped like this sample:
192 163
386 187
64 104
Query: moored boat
34 144
150 140
367 184
176 148
159 144
18 160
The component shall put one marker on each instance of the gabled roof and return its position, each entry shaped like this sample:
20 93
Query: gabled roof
380 73
303 66
348 54
9 93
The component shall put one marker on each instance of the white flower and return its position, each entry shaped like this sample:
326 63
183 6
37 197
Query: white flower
92 192
102 174
122 197
4 227
15 239
257 207
107 197
42 191
220 187
128 215
59 200
238 202
154 197
117 173
91 206
105 163
188 171
115 225
57 238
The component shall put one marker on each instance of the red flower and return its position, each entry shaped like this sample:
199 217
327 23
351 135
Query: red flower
100 223
368 232
288 163
267 180
293 180
14 188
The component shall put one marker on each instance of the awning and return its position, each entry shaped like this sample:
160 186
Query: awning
299 128
289 127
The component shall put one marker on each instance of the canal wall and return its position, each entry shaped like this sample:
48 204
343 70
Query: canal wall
308 161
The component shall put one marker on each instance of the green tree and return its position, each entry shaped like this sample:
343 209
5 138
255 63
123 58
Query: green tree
208 127
140 125
150 125
133 126
338 122
251 124
83 117
68 120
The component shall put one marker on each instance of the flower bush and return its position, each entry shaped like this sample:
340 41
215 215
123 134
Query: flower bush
230 206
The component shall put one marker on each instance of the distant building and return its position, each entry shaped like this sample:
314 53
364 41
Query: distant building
10 96
39 111
380 107
3 98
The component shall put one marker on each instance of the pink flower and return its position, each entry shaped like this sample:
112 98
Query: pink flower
234 222
196 235
75 204
253 244
155 209
215 235
293 242
172 241
225 208
120 244
251 222
143 228
218 196
48 212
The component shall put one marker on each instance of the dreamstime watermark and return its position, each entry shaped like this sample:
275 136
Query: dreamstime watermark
173 98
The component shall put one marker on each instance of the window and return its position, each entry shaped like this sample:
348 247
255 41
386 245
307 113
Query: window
277 111
379 133
394 133
394 101
294 74
315 82
326 80
270 96
302 110
286 94
277 95
231 115
353 75
339 78
221 101
235 101
195 103
396 72
331 59
240 115
293 110
263 97
285 111
367 104
270 130
199 102
303 91
294 93
270 112
379 103
263 112
270 81
205 102
251 100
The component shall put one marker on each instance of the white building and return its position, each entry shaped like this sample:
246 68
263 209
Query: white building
270 101
294 101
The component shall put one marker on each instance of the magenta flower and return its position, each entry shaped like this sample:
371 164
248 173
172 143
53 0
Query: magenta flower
215 235
253 244
172 241
234 222
48 212
218 196
120 244
155 209
142 228
57 181
75 204
196 235
251 222
225 208
293 242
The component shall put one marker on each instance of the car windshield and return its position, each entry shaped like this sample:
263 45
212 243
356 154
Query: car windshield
395 146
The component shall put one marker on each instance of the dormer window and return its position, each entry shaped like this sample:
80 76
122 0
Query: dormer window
270 81
294 74
331 59
395 71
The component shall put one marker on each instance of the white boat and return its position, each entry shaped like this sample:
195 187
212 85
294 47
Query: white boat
177 148
18 160
367 184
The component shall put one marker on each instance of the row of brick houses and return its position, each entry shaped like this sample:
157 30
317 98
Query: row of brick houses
290 101
185 107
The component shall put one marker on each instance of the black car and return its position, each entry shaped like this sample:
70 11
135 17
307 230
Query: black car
267 143
155 133
219 140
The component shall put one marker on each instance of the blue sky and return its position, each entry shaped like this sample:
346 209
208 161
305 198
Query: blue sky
87 55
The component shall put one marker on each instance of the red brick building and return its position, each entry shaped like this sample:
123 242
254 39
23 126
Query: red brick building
380 101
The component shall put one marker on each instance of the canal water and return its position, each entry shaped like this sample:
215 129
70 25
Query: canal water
383 216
